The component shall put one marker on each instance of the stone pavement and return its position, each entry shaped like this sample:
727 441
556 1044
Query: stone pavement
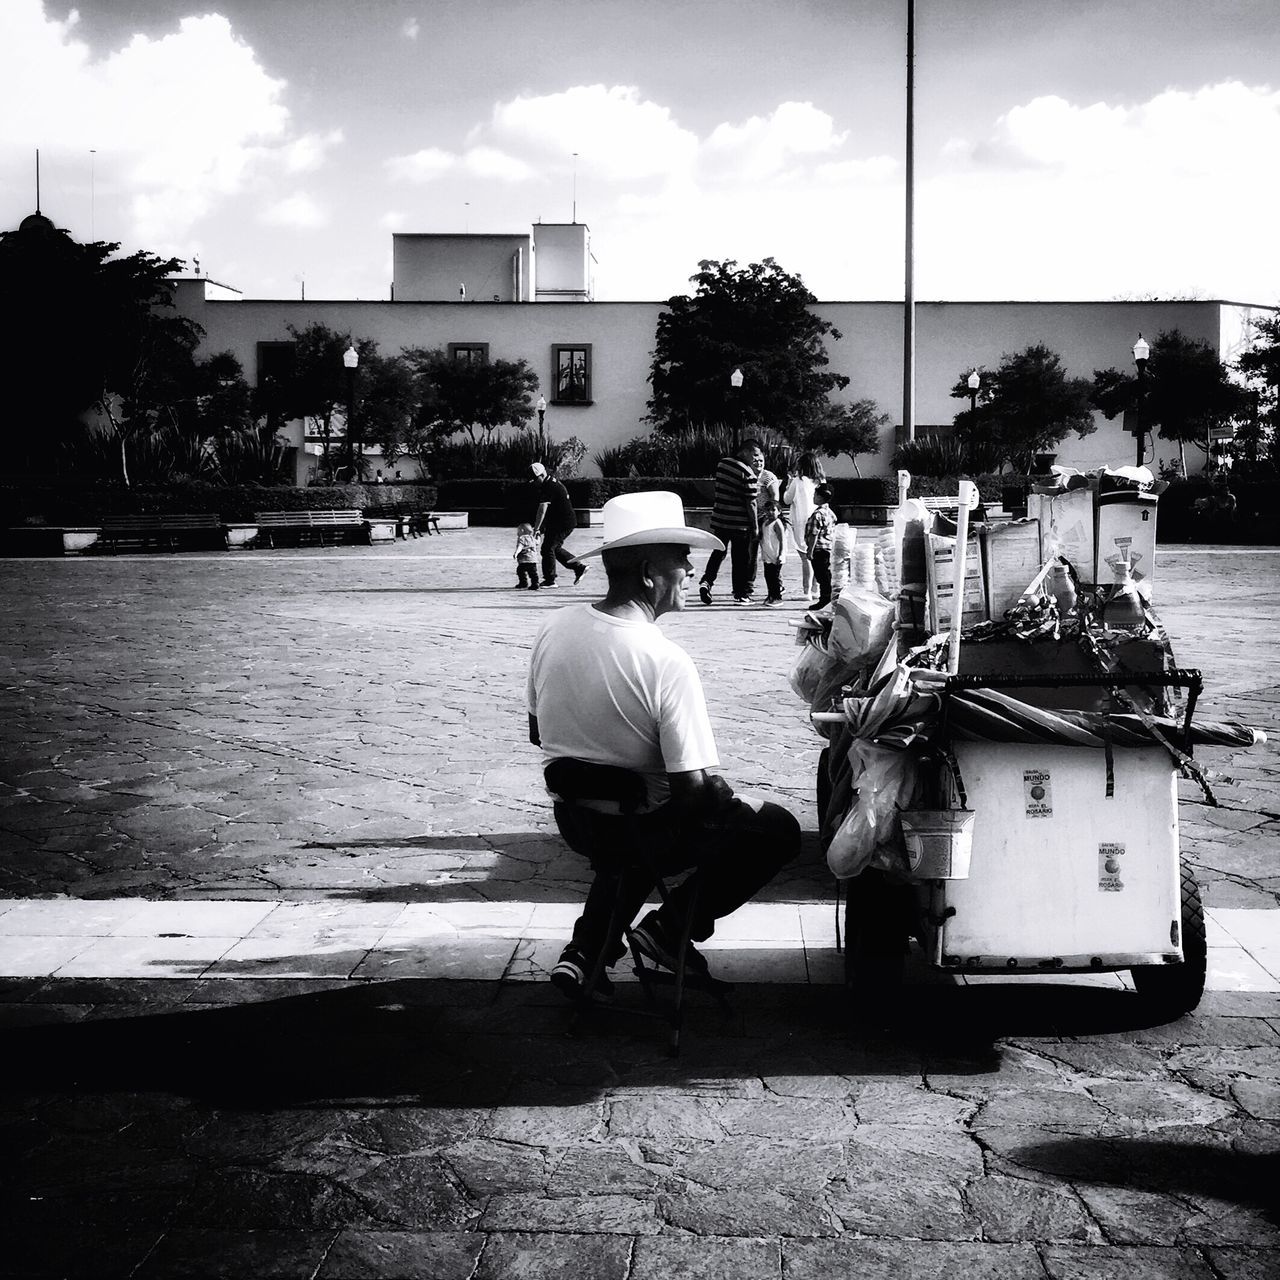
278 886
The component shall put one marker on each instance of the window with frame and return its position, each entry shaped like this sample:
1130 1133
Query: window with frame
571 373
474 353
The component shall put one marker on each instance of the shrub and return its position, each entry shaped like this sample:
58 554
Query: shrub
504 456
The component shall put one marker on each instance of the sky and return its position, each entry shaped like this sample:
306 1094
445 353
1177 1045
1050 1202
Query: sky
1065 149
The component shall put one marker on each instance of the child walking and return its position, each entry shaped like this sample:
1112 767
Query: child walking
773 551
819 536
526 554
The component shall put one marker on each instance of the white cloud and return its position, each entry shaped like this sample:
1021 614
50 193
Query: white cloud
298 210
489 162
422 166
621 136
393 220
763 147
183 122
1099 200
411 29
310 151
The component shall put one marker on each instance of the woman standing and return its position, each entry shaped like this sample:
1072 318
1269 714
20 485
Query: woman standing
807 476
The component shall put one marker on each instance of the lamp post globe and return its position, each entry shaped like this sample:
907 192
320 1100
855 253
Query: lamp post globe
350 361
1141 354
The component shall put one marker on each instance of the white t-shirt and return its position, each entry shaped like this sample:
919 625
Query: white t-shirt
618 691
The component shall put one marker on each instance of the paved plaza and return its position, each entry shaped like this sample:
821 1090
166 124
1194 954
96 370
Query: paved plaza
279 889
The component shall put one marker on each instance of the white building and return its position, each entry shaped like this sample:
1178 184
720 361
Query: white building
522 297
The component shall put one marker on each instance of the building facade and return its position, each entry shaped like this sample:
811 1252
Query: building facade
521 297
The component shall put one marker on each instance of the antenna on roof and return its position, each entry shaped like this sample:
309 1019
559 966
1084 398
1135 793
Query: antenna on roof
37 179
575 186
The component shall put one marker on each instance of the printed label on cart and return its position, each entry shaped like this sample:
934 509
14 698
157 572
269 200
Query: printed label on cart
1039 794
1110 857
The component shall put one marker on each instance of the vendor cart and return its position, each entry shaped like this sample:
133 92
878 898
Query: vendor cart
1029 780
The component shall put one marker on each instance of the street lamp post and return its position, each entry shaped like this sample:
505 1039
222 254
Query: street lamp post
350 360
735 396
541 407
1141 354
975 381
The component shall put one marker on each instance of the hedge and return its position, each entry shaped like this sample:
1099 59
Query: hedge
89 503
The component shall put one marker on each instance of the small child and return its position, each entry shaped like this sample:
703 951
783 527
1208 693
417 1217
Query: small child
819 537
526 554
773 550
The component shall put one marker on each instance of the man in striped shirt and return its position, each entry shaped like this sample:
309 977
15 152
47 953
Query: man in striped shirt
733 521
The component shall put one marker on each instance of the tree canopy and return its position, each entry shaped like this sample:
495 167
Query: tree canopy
83 329
1259 440
851 429
1027 405
757 319
1185 392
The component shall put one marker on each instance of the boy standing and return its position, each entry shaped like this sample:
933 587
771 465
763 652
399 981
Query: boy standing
819 535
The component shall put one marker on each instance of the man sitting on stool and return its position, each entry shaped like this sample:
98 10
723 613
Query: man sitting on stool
607 687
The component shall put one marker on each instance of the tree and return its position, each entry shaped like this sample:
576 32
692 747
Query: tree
1026 406
1185 393
317 384
757 319
1260 366
467 397
85 330
846 428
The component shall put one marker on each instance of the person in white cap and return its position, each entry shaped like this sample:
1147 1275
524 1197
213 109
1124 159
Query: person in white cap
606 687
555 521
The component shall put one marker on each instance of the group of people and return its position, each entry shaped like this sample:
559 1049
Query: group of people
755 516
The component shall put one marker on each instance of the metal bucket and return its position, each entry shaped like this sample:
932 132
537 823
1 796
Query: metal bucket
939 842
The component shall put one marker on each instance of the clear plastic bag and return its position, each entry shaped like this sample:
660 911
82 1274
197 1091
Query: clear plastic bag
884 780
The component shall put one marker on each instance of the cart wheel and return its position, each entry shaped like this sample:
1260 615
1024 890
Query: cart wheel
1174 989
875 943
824 785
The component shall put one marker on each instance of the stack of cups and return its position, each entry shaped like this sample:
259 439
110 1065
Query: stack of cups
864 565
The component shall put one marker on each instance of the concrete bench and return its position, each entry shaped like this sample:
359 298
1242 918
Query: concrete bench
299 526
168 531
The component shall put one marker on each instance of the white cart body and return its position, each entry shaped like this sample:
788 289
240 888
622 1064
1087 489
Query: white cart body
1062 877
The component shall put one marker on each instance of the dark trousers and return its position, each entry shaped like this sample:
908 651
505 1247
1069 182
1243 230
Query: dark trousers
773 581
553 551
527 573
733 856
742 545
821 561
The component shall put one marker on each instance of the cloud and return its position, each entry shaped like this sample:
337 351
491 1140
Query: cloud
621 135
422 166
298 210
411 29
489 162
310 151
765 146
1069 200
183 121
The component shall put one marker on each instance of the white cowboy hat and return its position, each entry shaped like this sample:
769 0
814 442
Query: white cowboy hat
646 519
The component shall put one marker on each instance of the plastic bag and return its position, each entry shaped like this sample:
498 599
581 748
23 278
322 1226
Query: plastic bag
884 780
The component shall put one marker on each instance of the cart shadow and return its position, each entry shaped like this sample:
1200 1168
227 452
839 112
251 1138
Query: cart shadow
477 1043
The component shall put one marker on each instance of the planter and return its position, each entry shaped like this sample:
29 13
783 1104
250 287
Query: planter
590 517
452 519
383 530
77 539
240 535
